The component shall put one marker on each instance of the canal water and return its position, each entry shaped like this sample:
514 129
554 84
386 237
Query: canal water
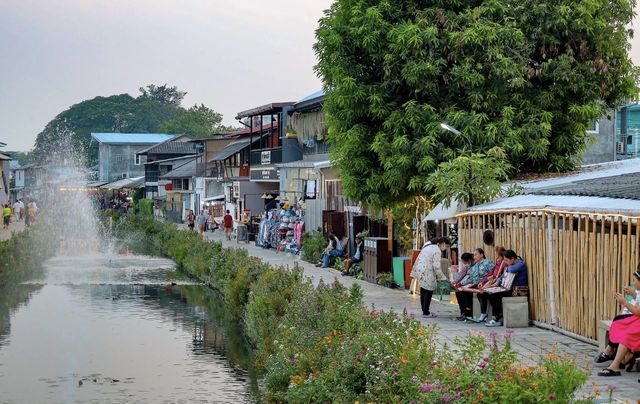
119 329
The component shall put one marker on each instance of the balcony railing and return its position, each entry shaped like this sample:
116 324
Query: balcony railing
266 156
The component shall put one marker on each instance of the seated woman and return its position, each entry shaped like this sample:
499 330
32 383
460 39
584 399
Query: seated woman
489 281
515 265
624 334
357 256
467 286
467 260
333 249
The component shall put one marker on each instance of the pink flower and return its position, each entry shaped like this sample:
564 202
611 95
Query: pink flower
486 359
426 388
498 376
414 378
445 399
482 365
435 362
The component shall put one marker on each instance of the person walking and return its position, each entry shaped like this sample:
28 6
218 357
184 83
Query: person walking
427 271
17 210
228 225
6 216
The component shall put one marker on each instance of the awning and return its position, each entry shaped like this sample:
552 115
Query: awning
136 182
96 184
214 198
229 151
442 213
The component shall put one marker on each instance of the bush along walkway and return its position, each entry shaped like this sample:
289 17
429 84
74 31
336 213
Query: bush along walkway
317 341
24 251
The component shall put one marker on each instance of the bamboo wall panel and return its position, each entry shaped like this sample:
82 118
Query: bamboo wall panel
593 256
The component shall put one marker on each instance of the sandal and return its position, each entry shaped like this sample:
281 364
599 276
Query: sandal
603 357
609 372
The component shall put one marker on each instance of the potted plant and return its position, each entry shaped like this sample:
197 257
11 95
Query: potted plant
386 279
291 132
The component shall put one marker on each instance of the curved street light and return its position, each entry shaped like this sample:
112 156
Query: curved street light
456 132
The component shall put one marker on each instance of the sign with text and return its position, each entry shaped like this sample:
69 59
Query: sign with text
265 157
266 174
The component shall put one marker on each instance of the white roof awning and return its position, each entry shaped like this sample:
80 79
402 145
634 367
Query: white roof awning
440 212
136 182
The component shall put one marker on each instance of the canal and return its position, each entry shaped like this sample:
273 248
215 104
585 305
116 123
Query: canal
119 329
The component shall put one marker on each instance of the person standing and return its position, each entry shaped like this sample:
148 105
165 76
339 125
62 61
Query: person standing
6 216
17 209
201 220
191 219
427 271
22 209
228 225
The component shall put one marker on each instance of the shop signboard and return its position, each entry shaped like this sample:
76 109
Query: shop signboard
265 174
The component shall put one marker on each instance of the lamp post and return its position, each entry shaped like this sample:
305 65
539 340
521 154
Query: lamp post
456 132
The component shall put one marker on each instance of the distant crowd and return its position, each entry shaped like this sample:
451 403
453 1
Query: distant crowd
18 212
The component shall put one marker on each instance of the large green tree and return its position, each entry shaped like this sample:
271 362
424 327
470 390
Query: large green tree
117 113
197 121
527 76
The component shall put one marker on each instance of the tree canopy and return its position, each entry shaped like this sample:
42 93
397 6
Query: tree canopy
156 110
525 76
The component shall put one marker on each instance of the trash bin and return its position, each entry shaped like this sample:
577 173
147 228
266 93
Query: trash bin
398 264
377 257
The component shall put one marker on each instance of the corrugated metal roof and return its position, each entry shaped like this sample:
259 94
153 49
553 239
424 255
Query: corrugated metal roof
564 202
132 138
134 182
229 150
177 145
625 186
4 157
187 170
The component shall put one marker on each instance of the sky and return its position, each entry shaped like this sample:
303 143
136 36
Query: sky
231 55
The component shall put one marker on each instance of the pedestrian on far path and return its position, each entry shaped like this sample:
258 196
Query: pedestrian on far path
16 210
427 271
228 225
191 220
22 209
201 220
6 216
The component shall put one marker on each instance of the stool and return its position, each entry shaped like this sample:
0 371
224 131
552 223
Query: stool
515 312
603 334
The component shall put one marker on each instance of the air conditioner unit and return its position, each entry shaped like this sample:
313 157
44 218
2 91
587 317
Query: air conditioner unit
620 147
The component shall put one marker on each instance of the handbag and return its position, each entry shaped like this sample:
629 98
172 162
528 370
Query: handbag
520 291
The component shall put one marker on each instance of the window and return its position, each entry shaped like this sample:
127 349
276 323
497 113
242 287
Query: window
594 127
137 159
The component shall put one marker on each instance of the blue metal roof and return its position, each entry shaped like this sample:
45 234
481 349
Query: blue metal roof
130 138
317 94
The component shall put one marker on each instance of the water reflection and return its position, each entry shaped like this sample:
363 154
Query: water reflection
90 336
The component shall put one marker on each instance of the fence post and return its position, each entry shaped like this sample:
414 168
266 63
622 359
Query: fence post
550 269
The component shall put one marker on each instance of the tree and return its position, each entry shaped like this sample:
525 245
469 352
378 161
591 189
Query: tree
198 121
527 76
163 94
117 113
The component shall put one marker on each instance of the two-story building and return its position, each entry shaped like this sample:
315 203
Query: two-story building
117 153
159 161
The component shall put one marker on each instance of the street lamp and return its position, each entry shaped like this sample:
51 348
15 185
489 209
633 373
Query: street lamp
456 132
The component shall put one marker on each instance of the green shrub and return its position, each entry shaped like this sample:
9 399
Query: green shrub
323 345
313 244
145 207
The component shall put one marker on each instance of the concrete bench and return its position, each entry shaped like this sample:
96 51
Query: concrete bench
515 311
603 334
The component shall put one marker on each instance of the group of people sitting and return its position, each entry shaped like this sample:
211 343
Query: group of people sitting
478 275
335 249
490 282
623 347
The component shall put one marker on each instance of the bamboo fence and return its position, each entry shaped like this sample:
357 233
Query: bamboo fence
576 260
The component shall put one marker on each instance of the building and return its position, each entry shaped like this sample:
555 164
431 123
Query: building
579 235
17 180
168 150
181 192
4 178
117 153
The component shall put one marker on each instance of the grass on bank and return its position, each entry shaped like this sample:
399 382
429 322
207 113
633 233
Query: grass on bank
323 345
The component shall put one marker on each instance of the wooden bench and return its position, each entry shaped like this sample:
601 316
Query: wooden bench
603 334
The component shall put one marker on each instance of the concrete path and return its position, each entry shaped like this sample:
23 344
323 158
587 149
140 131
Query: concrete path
14 227
530 343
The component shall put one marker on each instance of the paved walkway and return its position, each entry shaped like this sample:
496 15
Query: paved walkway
530 343
14 227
